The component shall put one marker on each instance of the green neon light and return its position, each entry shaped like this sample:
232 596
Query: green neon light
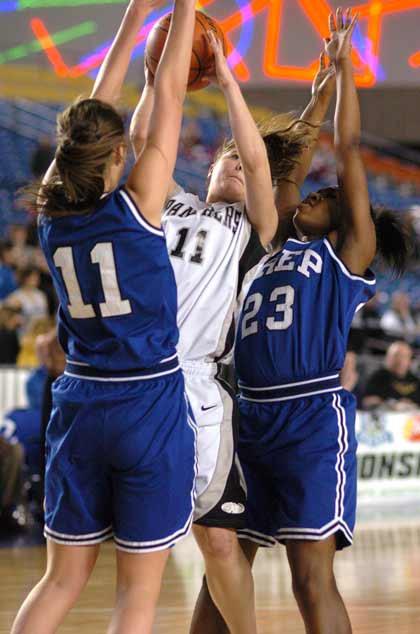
61 37
38 4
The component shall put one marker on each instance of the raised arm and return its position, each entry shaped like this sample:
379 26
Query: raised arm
113 70
259 197
111 76
152 173
287 191
359 245
140 121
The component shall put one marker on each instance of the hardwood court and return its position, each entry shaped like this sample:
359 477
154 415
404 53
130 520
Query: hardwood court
379 578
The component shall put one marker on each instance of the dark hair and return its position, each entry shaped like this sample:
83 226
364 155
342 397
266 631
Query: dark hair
87 133
285 136
25 272
393 241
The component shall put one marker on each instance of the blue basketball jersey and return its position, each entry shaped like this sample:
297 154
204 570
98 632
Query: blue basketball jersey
297 314
116 287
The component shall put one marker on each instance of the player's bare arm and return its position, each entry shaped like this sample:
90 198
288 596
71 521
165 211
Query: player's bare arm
113 70
359 247
111 76
259 197
160 150
287 192
140 120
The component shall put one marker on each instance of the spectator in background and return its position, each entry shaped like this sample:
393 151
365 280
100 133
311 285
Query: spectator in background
10 322
7 275
28 357
366 333
28 297
23 253
398 321
394 385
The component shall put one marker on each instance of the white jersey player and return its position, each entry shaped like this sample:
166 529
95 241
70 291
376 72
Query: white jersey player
212 244
211 248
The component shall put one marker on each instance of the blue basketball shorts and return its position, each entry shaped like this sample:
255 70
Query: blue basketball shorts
120 462
299 462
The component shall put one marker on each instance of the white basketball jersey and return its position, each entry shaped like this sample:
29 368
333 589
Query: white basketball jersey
211 247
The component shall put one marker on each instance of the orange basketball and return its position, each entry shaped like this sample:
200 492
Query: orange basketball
202 60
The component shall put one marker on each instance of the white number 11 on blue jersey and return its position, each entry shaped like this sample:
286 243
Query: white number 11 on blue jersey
103 255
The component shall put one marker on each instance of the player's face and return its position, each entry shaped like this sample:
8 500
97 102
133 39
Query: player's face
317 214
227 180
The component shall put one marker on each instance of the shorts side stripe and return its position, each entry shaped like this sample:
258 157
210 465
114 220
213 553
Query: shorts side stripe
339 465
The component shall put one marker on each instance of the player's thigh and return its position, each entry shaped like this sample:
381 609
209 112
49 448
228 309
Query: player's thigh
153 467
318 486
311 562
217 543
141 570
70 566
77 489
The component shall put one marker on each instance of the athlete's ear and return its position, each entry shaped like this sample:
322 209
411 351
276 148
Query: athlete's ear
120 153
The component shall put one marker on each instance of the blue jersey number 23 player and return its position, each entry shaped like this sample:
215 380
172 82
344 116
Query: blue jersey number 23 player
297 442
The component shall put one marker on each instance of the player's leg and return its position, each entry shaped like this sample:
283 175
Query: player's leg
220 504
68 569
139 578
229 577
315 588
77 510
206 617
320 453
153 458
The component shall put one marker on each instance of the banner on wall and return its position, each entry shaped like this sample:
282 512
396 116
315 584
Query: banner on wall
388 456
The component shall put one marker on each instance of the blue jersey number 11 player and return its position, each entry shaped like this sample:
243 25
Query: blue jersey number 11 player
120 442
297 440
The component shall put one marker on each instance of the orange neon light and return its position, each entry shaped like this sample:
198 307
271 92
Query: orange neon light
371 14
48 46
414 60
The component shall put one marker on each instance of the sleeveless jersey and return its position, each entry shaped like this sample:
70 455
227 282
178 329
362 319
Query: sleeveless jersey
297 314
211 247
115 284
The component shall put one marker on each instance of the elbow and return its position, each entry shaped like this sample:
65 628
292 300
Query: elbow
137 135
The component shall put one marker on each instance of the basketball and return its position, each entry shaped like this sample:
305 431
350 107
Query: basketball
202 54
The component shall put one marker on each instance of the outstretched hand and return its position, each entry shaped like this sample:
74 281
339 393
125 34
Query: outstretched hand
338 44
222 73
